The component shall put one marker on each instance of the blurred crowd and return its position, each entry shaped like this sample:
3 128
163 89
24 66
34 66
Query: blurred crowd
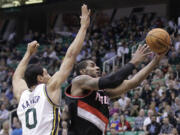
153 107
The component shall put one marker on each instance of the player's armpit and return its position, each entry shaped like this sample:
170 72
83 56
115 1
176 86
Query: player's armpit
54 96
86 82
54 84
19 85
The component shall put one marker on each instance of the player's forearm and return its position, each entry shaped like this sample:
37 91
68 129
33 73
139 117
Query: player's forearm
115 79
77 44
19 73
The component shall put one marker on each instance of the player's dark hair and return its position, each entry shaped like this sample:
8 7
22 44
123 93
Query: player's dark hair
81 65
31 73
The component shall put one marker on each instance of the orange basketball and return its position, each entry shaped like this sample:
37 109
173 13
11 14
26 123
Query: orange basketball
158 40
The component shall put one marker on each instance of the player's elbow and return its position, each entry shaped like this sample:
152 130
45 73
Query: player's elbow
134 83
71 53
14 77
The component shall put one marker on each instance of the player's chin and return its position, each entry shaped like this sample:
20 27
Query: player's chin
98 74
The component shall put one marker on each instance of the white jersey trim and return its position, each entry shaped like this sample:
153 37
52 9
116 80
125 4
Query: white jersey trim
92 118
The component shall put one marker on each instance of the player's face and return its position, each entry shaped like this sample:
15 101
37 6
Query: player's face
92 69
46 76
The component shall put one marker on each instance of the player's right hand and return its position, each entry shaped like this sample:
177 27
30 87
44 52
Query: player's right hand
158 57
141 53
85 16
32 47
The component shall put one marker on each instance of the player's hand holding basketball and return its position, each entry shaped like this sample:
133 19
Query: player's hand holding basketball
141 53
32 47
158 57
85 17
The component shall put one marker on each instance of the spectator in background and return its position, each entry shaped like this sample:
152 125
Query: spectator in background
4 87
136 102
154 107
28 37
153 128
43 39
64 128
5 129
174 59
4 113
123 101
164 98
166 128
36 36
9 94
154 97
128 110
139 121
115 108
17 128
147 119
172 119
146 92
115 121
177 43
166 111
176 107
14 122
110 54
123 125
113 131
171 89
178 124
174 132
123 50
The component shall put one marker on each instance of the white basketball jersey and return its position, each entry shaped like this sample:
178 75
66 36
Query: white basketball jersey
37 113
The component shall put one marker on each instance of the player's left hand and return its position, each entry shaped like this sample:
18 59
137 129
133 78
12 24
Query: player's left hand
32 47
85 17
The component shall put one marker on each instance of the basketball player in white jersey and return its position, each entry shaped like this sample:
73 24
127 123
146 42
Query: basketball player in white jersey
38 93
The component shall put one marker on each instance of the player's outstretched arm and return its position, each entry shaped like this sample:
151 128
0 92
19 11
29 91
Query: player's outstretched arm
136 80
115 79
19 84
60 76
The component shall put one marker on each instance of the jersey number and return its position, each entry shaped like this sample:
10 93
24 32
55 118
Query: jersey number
32 125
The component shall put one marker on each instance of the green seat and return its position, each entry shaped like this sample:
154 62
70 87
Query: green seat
108 133
141 133
110 119
130 119
131 133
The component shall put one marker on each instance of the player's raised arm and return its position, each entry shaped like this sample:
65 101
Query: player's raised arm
60 76
19 84
136 80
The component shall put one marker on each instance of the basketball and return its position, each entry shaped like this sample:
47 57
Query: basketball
158 40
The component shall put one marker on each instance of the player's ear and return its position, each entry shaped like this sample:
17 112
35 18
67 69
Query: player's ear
40 78
83 71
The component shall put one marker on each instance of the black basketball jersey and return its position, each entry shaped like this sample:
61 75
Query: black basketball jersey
88 114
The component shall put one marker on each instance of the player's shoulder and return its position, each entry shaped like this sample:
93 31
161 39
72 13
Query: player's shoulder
42 85
29 91
80 79
24 94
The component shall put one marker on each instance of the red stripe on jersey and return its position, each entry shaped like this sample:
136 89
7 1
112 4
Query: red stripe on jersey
93 110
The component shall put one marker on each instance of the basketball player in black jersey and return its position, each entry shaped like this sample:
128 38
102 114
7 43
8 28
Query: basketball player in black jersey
88 96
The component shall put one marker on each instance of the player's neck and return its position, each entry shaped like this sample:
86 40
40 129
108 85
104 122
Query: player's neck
32 88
